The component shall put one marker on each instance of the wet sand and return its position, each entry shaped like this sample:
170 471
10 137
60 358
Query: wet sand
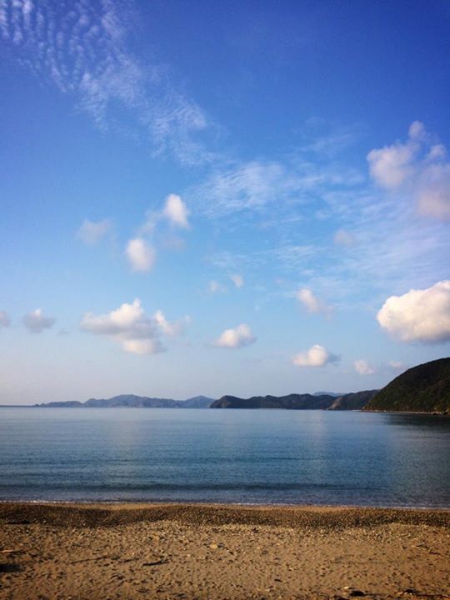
221 552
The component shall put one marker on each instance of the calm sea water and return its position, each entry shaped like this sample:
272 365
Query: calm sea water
239 456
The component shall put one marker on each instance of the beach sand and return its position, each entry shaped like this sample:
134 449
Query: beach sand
219 552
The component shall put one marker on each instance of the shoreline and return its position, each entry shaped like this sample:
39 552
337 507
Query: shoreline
289 513
215 551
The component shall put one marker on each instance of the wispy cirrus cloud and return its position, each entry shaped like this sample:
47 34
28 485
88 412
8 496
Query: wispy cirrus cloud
82 49
268 187
377 241
344 238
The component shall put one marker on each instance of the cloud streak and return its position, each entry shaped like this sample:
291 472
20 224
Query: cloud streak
267 187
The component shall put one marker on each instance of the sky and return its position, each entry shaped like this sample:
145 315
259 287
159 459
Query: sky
241 198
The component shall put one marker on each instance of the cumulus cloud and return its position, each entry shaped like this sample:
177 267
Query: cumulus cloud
140 254
238 280
312 303
5 321
418 315
36 322
238 337
92 232
420 167
363 367
171 329
176 211
136 332
316 356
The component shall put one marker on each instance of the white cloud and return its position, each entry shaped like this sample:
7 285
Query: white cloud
433 195
363 367
5 321
312 303
391 166
140 254
176 211
418 315
236 338
316 356
419 167
36 322
238 280
92 232
397 365
344 238
214 287
171 329
147 346
133 329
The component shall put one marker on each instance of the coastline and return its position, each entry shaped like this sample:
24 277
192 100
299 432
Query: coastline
188 551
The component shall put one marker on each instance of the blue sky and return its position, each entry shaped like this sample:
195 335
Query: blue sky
210 198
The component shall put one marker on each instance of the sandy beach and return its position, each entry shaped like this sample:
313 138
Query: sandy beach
221 552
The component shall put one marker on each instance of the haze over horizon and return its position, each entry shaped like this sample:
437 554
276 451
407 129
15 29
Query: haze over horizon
239 198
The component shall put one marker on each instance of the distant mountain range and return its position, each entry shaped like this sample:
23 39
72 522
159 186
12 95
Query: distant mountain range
425 388
132 401
354 401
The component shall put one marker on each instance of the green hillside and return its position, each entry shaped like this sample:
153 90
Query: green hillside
425 388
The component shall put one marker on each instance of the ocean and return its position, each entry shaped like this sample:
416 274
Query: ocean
224 456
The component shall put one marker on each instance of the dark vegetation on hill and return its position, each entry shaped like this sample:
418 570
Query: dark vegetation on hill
425 388
354 401
131 401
